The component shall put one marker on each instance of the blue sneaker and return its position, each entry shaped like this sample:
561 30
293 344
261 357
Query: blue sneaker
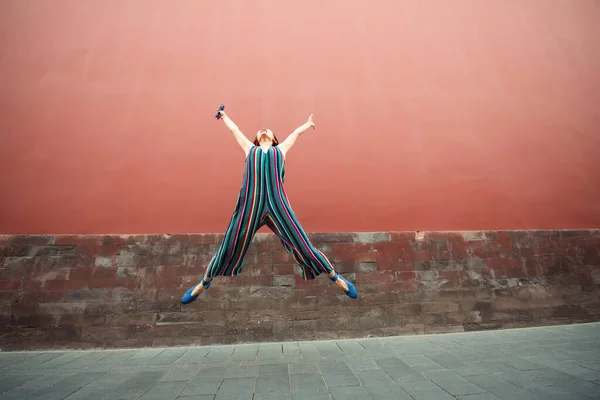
351 292
188 298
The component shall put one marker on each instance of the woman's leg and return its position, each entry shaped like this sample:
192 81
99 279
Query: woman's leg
229 258
312 261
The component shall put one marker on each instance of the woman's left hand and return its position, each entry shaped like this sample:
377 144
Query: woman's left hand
310 121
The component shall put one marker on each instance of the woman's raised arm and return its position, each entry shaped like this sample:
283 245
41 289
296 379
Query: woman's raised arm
243 141
290 140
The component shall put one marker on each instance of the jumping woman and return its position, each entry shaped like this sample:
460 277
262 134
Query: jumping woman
263 201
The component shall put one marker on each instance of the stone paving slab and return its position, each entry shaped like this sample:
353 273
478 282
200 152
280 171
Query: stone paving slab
558 362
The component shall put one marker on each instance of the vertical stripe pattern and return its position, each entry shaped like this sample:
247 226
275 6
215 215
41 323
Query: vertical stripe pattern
263 201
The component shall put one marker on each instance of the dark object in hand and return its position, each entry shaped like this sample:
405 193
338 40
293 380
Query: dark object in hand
218 114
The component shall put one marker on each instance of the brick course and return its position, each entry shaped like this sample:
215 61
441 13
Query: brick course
72 291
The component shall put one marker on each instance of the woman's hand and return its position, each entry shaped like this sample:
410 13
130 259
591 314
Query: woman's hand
221 113
310 121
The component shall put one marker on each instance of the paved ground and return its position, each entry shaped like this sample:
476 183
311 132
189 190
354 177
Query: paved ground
540 363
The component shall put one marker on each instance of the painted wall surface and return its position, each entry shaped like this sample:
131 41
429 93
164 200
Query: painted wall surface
430 115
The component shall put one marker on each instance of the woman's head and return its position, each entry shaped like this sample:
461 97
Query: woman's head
265 136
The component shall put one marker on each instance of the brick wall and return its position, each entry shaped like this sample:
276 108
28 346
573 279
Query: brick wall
119 291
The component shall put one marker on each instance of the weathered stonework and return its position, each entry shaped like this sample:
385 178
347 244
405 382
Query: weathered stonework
123 291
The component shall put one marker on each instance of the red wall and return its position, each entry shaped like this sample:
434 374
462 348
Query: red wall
431 115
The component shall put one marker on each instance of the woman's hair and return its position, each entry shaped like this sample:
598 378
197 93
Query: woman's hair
275 141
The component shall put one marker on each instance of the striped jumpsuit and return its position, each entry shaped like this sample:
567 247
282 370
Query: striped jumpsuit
263 201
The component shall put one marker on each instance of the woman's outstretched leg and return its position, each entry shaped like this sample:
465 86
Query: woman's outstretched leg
230 256
226 262
312 261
